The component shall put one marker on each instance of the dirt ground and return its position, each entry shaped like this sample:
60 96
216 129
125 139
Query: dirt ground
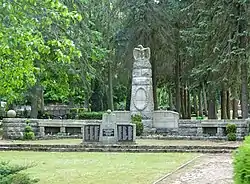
207 169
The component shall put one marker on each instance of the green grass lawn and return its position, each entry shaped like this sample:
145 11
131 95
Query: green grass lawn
97 168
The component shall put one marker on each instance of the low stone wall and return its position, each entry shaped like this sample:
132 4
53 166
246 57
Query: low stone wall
13 128
207 128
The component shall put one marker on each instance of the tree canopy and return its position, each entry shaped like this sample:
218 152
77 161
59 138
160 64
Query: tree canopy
80 52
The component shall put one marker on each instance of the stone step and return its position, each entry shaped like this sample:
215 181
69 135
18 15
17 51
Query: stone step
120 146
109 149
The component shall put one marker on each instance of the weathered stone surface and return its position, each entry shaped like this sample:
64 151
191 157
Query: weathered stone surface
11 114
13 128
166 119
108 129
115 128
199 127
123 116
142 89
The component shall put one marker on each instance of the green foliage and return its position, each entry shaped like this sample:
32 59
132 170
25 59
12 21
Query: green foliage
10 174
137 120
231 136
241 163
231 132
90 115
231 128
44 115
81 113
28 133
200 118
28 129
29 43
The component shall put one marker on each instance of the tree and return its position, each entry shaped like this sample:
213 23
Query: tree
24 45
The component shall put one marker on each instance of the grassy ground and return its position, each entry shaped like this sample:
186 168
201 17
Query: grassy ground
138 141
92 168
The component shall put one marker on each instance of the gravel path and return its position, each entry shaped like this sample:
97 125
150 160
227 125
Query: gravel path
208 169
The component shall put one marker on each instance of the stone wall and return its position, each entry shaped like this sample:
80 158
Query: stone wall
13 128
208 128
165 119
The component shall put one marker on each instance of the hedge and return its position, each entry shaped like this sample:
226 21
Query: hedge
241 163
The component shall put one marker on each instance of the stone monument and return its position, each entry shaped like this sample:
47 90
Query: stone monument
115 128
108 128
142 89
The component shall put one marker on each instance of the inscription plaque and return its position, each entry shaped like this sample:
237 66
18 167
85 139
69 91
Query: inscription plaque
91 133
108 132
125 133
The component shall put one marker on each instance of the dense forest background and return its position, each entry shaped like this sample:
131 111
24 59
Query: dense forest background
79 52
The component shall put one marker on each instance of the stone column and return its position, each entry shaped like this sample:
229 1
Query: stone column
142 89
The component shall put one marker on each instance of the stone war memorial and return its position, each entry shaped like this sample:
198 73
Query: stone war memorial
142 88
116 127
142 101
110 131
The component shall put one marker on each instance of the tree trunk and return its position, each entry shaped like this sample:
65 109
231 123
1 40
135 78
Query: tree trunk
110 88
189 111
182 104
200 104
185 104
154 80
244 91
40 99
195 104
128 94
170 96
235 108
204 99
228 105
223 104
244 65
71 102
86 102
212 113
34 102
178 90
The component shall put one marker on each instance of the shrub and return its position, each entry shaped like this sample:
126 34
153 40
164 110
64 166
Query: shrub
137 120
231 132
10 174
28 133
231 137
241 163
90 115
28 129
72 113
231 128
29 136
44 115
199 118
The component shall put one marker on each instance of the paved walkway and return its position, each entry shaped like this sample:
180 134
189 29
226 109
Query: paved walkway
208 169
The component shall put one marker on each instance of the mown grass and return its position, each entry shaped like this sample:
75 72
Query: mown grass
92 168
